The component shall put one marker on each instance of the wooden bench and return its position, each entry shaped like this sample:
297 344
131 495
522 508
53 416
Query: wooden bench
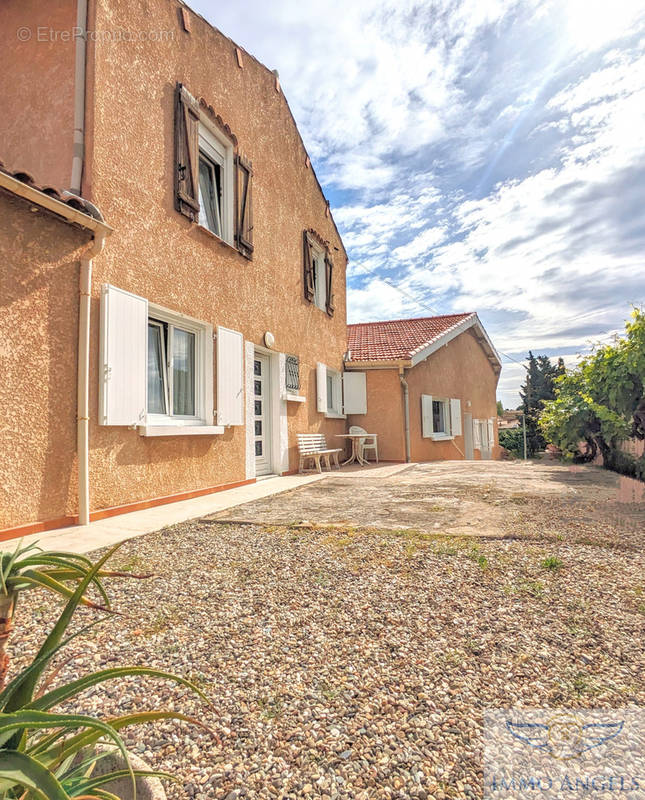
314 446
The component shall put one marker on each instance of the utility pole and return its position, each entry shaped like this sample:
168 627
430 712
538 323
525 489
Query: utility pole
528 405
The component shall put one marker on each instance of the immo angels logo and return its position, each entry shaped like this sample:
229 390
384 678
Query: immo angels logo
564 736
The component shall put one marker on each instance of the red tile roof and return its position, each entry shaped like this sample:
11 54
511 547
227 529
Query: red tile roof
399 339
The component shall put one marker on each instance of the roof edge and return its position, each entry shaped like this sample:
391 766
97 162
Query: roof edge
49 203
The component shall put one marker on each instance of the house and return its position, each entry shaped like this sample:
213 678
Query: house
164 321
426 386
510 420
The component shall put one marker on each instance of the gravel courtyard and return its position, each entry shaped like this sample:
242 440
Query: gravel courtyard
345 662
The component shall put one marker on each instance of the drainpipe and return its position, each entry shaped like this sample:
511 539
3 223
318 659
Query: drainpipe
78 152
406 411
83 387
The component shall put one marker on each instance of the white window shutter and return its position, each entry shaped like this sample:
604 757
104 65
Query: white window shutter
230 377
455 417
355 393
426 414
123 357
477 435
491 433
321 388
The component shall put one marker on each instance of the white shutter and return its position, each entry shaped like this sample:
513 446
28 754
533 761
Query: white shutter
321 388
230 377
491 433
426 414
455 417
123 357
477 434
355 393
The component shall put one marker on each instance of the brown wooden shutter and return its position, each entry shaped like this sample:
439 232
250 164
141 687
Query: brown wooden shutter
243 206
309 268
186 154
329 271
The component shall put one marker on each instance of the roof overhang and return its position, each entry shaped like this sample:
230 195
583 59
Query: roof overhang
397 364
49 203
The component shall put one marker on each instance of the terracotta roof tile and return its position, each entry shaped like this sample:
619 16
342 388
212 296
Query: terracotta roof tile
397 339
24 177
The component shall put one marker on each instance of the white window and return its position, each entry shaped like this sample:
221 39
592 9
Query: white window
180 355
174 369
156 368
339 394
215 183
440 417
320 277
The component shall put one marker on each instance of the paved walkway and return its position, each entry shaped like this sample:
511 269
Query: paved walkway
105 532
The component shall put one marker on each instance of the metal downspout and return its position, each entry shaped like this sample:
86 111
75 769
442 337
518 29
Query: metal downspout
406 412
83 386
78 153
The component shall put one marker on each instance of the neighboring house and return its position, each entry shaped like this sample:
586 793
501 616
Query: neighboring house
509 420
205 317
427 387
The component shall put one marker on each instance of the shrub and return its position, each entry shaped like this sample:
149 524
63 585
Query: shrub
512 439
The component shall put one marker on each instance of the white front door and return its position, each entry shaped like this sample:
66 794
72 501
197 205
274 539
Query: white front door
262 413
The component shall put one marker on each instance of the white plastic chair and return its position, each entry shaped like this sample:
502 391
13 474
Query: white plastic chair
369 443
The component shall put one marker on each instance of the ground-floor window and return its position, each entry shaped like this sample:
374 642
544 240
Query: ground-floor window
172 369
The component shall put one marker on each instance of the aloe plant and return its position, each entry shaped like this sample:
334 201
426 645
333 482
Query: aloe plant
30 567
51 755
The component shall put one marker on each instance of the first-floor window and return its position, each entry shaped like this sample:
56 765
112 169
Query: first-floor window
172 369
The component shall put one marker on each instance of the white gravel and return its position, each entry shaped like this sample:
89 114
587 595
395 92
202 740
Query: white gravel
353 664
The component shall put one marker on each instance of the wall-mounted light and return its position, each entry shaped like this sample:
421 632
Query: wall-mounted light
269 340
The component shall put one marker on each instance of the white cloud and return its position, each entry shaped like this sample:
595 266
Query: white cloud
410 111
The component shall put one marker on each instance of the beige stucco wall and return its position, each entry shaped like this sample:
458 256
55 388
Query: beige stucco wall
460 370
157 253
384 413
38 334
37 88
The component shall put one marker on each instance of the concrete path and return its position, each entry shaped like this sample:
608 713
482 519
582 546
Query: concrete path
105 532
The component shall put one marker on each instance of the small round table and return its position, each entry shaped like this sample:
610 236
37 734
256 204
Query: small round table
356 456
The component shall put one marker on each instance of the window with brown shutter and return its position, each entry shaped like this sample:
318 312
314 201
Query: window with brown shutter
308 267
329 300
186 153
244 207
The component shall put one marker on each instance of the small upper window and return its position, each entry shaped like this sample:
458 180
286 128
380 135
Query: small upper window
318 272
320 282
215 184
210 195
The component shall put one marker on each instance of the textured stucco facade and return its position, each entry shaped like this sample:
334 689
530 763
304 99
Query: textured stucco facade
158 254
39 263
460 369
37 52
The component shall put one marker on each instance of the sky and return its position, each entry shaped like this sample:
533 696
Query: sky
478 155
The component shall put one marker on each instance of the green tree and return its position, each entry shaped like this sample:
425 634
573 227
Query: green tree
601 402
500 408
538 388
